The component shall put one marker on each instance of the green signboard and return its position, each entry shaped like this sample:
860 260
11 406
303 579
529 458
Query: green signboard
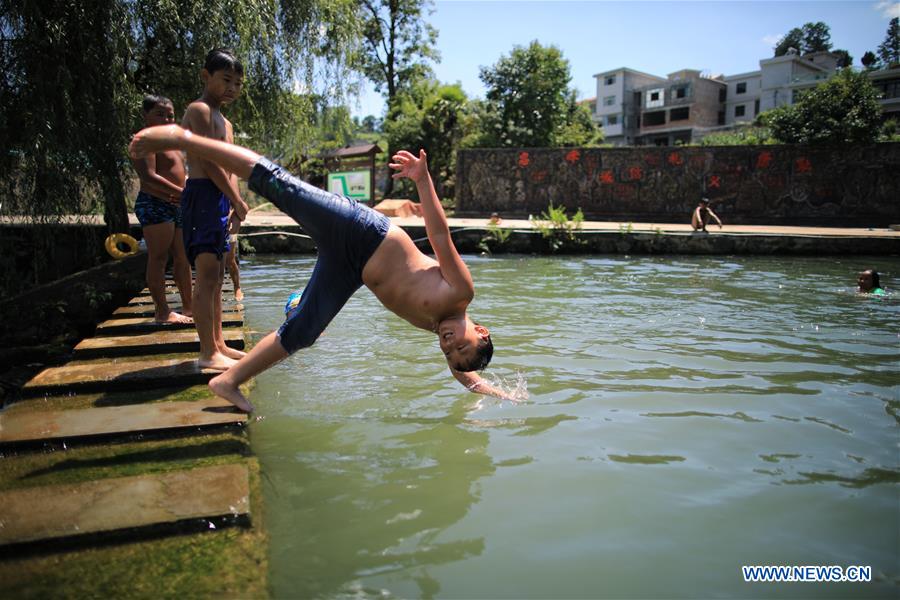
353 184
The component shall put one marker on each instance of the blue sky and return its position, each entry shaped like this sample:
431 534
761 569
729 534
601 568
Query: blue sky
661 37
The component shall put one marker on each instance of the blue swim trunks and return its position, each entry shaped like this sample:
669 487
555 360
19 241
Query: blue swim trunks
151 210
346 234
204 212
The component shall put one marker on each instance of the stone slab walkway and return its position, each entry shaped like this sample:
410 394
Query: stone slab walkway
118 374
148 324
163 342
158 416
106 505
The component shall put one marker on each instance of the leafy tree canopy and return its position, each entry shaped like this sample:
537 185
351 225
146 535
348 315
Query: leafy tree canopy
812 37
529 102
889 49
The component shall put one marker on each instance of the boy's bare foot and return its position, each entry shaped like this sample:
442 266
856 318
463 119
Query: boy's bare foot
188 313
217 362
154 139
238 294
175 317
222 388
232 353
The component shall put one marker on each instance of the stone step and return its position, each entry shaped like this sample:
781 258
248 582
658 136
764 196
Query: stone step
148 325
54 425
171 288
165 342
146 310
121 503
118 374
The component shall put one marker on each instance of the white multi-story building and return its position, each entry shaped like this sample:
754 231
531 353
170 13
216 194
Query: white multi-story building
617 110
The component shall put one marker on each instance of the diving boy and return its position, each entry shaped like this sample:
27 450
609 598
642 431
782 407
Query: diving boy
357 246
158 209
209 192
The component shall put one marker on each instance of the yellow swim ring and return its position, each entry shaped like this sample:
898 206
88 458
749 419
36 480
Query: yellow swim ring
113 241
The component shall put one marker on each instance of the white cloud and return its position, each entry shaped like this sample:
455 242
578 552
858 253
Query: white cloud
888 9
771 39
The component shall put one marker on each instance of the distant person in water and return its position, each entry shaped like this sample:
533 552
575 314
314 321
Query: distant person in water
702 215
356 246
869 283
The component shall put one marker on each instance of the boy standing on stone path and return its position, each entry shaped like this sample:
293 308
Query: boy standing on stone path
209 192
158 209
356 246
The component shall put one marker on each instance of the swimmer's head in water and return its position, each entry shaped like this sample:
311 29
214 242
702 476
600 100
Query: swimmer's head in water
223 76
868 280
158 110
466 345
704 201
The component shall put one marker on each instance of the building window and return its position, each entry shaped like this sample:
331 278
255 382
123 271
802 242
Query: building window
739 110
609 100
654 118
680 114
655 98
723 92
756 107
680 92
610 80
741 88
612 119
721 117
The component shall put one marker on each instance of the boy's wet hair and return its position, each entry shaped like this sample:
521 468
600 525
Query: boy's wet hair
220 59
483 354
151 101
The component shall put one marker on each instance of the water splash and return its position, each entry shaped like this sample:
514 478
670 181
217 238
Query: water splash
514 389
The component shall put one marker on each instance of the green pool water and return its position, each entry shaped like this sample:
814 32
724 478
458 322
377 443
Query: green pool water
687 416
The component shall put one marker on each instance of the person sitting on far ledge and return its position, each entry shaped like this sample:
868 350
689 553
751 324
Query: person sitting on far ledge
702 215
870 283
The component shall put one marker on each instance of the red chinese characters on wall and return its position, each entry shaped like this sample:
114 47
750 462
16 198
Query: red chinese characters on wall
606 176
675 159
523 159
763 160
635 173
714 182
538 176
573 156
802 165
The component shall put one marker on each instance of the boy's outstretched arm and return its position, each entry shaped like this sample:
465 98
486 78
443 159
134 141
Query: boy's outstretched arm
199 117
474 383
454 270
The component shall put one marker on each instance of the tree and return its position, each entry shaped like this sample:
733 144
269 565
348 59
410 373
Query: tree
792 39
434 117
844 109
869 60
529 102
889 49
812 37
816 37
397 46
844 58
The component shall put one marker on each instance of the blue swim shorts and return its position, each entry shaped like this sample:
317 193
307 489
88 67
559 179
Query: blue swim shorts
151 210
204 212
346 234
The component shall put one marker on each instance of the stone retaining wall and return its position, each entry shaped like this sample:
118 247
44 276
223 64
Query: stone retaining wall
854 186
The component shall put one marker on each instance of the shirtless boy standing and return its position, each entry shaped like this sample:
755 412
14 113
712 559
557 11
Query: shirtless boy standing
208 193
357 246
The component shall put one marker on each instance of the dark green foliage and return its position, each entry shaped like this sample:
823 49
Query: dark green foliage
869 60
844 58
812 37
889 49
435 118
529 102
74 74
844 109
